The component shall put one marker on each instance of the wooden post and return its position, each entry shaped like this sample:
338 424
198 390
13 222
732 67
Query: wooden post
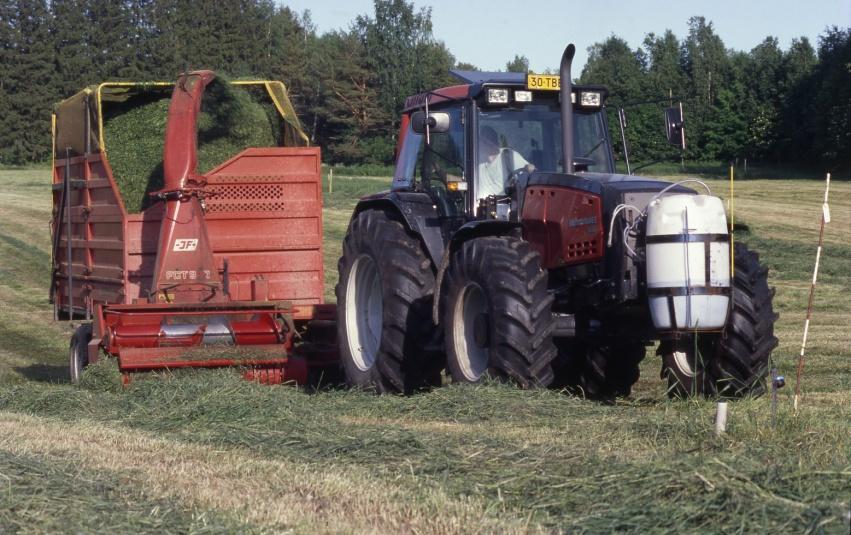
825 218
330 180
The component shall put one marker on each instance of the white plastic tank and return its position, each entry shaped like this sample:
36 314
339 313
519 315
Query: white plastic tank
688 262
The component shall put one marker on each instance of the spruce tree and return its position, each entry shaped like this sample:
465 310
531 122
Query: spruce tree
392 43
832 97
172 33
613 64
28 83
7 53
354 125
111 40
73 62
797 111
293 57
706 63
760 90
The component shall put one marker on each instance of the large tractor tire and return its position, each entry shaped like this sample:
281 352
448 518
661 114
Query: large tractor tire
734 363
497 314
78 353
388 342
601 372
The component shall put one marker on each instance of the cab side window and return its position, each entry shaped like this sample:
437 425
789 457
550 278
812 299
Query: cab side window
442 163
406 162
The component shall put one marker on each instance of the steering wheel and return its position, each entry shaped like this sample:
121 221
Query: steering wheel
440 196
519 175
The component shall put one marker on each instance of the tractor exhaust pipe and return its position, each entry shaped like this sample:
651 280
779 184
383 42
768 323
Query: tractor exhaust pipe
567 108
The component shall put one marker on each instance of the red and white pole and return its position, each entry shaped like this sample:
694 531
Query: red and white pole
825 218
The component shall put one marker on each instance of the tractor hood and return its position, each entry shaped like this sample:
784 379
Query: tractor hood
614 188
597 182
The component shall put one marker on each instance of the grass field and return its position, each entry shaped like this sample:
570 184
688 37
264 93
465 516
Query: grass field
208 452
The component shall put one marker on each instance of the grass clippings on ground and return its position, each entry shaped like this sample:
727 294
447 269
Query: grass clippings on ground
480 459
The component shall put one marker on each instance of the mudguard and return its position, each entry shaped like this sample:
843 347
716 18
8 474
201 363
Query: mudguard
416 211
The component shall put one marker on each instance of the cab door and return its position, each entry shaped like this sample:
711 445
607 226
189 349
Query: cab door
436 164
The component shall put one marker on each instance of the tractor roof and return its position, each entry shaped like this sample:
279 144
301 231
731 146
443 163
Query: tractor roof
483 77
473 83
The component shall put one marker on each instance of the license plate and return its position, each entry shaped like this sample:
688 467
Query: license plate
546 82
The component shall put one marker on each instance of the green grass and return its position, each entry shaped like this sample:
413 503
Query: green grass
207 450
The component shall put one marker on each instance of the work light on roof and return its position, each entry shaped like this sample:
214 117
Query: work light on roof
590 99
497 96
523 96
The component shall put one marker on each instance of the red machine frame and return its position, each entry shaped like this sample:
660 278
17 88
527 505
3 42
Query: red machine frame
242 292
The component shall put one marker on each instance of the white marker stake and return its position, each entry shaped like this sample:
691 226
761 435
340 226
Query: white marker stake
720 418
825 218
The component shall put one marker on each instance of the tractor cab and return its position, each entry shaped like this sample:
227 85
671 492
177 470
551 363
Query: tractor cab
469 146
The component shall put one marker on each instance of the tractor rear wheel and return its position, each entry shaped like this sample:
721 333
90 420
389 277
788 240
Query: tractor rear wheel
497 314
734 363
385 331
599 372
79 351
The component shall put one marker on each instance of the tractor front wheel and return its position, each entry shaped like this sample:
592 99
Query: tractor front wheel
384 297
79 351
734 363
497 313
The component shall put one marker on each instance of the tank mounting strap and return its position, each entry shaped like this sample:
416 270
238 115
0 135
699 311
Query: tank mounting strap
687 238
683 291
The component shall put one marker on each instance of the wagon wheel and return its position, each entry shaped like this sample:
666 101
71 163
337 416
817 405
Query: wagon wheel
78 352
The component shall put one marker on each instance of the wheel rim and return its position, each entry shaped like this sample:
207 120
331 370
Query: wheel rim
472 347
76 364
364 312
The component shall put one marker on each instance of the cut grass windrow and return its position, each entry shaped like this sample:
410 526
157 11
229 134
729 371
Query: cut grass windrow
41 492
535 457
270 494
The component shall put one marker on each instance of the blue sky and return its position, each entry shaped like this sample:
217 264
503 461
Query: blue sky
489 33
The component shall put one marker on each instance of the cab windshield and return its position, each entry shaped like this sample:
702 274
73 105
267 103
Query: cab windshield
532 134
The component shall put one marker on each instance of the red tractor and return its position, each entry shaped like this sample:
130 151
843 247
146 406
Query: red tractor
508 247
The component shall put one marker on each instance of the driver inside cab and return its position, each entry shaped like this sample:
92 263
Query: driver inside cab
496 164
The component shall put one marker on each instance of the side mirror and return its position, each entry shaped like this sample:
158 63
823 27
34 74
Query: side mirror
675 127
438 122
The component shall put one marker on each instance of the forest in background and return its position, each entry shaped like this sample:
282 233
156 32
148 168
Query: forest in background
768 105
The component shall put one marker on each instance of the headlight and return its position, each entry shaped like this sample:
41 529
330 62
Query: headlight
497 96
